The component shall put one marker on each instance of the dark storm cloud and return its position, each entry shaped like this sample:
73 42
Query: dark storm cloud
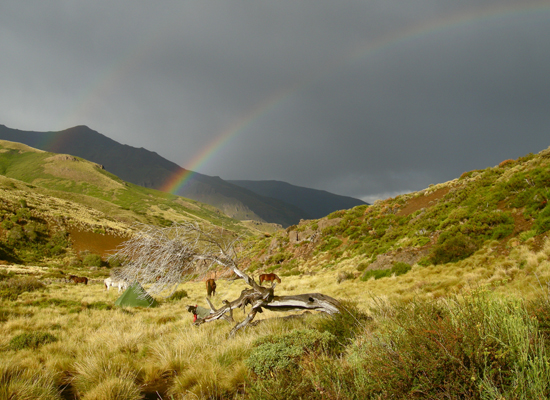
455 86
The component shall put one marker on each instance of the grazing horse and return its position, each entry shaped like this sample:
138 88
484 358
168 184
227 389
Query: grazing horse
122 285
78 279
269 278
210 287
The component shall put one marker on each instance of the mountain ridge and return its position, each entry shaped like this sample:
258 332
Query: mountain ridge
300 197
148 169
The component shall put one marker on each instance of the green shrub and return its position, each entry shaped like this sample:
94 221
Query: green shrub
178 295
277 258
376 274
400 268
478 347
281 353
6 274
542 223
330 244
452 248
31 340
7 224
362 266
523 236
254 266
344 326
92 260
114 262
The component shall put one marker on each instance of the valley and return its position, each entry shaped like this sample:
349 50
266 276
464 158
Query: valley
427 280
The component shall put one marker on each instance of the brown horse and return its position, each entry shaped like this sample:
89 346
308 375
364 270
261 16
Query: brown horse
269 278
210 287
78 279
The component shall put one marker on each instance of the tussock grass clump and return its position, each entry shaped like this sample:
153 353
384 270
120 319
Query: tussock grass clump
99 376
31 340
17 382
178 295
11 288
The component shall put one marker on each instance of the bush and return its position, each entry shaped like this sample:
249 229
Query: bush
475 347
344 325
178 295
92 260
31 340
400 268
330 244
281 353
376 274
362 266
10 289
542 223
452 248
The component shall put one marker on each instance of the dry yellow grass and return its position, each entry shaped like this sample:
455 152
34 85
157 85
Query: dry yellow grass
100 353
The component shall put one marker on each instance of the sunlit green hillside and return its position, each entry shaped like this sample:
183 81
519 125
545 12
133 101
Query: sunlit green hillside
48 200
482 220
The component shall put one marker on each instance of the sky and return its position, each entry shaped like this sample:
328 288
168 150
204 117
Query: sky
368 99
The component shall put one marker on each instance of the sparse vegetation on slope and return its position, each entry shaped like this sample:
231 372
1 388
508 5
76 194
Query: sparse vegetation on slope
493 210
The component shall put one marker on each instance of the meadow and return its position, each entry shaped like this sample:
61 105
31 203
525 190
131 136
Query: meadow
478 328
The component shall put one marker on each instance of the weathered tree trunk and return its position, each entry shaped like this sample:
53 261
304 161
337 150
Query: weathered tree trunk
262 298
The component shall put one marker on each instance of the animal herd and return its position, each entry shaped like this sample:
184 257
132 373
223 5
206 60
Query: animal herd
210 283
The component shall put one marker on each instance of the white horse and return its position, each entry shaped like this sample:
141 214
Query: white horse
122 285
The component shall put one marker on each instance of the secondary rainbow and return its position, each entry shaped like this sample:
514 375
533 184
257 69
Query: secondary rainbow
368 48
109 78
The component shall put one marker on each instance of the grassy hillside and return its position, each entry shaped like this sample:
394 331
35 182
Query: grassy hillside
484 226
47 197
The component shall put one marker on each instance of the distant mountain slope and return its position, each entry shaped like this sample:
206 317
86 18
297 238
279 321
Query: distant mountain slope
316 203
148 169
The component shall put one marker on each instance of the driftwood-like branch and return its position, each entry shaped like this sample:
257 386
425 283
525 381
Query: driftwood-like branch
264 298
161 258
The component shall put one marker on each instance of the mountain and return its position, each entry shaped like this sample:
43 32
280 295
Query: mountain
148 169
316 203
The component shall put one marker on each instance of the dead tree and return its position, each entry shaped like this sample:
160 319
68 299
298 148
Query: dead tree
162 258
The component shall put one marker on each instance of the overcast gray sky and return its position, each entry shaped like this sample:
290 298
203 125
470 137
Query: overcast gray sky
368 99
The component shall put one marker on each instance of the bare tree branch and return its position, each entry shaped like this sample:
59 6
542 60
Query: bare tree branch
164 257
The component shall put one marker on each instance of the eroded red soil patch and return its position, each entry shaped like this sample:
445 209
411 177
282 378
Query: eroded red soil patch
422 201
104 245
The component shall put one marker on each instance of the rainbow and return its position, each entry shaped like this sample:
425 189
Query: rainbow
368 48
173 184
181 177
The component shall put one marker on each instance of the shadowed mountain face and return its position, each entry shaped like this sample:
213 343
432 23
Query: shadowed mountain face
146 168
317 203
